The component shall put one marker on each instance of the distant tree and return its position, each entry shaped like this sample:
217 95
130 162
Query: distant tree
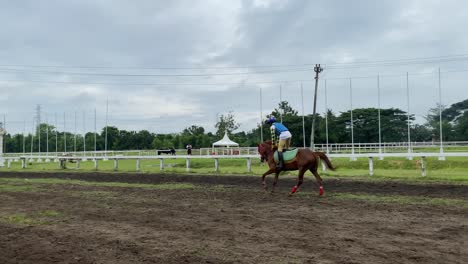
226 123
461 128
285 110
453 121
194 130
112 137
394 125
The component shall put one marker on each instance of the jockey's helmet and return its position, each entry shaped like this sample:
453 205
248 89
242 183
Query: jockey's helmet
270 120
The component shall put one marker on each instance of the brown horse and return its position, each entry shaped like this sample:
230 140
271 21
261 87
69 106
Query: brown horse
305 160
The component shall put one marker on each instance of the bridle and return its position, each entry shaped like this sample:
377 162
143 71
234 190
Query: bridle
263 152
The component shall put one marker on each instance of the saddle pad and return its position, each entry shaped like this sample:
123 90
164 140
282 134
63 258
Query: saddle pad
288 155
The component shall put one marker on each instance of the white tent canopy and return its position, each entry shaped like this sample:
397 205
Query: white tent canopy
225 142
225 146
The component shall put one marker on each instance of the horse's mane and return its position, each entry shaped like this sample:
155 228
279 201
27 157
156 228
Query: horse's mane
269 145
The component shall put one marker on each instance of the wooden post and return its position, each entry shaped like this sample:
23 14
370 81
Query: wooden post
116 164
138 165
249 165
161 164
423 166
187 164
371 166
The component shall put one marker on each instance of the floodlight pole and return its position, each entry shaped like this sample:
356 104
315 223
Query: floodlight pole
408 113
84 134
64 134
440 119
303 119
74 139
317 70
56 135
378 111
261 116
95 132
107 113
47 136
326 118
24 139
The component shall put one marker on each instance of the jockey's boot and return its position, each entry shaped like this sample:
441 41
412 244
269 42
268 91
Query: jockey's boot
281 160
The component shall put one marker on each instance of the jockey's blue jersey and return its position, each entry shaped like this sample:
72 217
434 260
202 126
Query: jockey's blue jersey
279 128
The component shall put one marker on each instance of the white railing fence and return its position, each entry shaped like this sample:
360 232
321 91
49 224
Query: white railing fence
77 159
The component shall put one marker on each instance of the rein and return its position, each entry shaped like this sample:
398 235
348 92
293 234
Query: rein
265 151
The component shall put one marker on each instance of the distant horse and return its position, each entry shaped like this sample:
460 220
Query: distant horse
167 151
304 160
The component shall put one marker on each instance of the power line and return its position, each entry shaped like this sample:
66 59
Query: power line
223 84
8 70
454 57
393 75
433 59
397 63
155 84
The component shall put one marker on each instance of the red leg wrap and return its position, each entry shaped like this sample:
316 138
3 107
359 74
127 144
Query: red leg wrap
294 189
321 190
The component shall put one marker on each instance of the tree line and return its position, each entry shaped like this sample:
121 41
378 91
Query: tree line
393 122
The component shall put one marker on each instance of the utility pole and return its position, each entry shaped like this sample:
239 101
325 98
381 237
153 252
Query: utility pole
317 70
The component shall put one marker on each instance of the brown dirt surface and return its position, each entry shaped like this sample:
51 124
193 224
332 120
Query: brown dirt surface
230 219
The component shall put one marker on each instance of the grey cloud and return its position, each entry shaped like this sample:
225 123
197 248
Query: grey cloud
220 33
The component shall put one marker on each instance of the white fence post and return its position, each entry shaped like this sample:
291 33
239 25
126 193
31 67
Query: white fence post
324 167
216 165
96 164
187 164
23 163
138 165
423 166
249 165
371 166
9 164
161 164
116 164
77 164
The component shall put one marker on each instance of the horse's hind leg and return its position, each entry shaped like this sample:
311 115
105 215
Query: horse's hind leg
264 180
300 180
275 181
319 180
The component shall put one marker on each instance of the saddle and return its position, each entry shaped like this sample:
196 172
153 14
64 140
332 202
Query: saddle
288 155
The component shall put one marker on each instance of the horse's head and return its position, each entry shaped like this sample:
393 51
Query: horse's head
264 149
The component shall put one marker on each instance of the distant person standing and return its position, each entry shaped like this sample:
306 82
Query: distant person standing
189 149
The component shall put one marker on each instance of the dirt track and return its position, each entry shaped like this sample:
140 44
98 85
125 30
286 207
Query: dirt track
229 219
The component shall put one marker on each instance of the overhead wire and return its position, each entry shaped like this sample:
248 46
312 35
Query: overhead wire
433 59
229 83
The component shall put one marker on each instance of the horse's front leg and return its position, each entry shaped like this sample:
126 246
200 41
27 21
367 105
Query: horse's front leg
275 181
270 171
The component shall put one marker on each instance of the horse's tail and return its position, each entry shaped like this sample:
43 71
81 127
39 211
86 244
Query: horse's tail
325 159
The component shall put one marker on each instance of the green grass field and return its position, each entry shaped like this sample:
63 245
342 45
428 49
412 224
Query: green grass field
452 169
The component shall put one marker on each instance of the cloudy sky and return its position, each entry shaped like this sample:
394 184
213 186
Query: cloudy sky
167 65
